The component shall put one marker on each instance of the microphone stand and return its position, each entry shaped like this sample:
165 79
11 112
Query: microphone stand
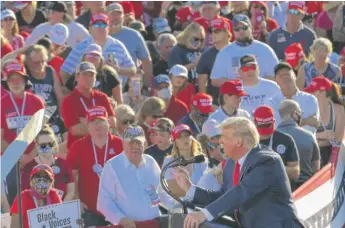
165 186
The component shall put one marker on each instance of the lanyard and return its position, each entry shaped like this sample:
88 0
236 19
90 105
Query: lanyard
271 142
105 152
84 105
20 114
195 124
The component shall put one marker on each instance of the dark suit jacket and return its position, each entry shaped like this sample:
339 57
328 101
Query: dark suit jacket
263 195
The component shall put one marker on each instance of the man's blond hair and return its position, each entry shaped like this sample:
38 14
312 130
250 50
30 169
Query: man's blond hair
243 128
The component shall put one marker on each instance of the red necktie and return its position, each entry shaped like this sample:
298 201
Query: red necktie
236 176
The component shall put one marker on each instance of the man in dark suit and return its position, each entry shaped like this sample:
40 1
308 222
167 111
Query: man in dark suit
256 186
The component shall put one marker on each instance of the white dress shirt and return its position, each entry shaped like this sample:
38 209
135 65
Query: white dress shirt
123 189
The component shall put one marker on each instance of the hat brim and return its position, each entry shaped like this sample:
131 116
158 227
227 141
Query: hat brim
105 22
266 130
137 138
189 131
241 94
249 63
88 71
16 71
310 89
97 117
44 171
206 110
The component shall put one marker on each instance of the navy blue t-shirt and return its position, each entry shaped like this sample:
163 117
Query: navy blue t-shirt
158 154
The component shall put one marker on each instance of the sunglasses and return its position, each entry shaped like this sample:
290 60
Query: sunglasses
93 55
244 28
216 31
8 19
196 39
44 145
213 146
158 116
101 25
294 12
42 176
127 122
257 6
248 68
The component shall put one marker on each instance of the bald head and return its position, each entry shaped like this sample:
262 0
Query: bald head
287 108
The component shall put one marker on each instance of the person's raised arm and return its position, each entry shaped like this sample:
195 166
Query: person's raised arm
301 78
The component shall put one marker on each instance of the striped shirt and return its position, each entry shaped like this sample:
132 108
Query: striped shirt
112 46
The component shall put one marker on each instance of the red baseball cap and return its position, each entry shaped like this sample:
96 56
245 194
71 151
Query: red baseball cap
203 102
261 3
233 87
184 14
177 130
15 67
220 24
264 115
97 112
99 17
297 5
319 83
293 53
42 168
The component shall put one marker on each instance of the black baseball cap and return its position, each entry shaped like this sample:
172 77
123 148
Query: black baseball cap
282 65
59 7
247 60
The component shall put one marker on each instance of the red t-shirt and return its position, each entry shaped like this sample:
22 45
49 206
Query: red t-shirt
176 110
81 158
10 120
186 95
5 49
61 179
72 109
56 62
28 203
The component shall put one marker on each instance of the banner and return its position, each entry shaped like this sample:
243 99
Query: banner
62 215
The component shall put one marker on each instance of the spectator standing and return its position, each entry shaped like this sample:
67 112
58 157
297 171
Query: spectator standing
184 145
57 13
278 141
200 110
16 109
320 64
309 153
107 79
10 29
129 183
47 147
294 55
221 36
186 14
187 51
87 157
165 42
259 90
175 108
338 33
277 11
332 115
94 7
293 31
286 79
231 93
80 100
125 116
135 96
40 194
182 89
238 7
28 16
162 137
132 40
114 52
227 64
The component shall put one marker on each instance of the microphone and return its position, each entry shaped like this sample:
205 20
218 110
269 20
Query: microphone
183 162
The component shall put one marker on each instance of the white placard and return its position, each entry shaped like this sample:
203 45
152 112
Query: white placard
62 215
5 220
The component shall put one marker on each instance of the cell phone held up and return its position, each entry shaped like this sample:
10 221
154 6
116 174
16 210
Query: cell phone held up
135 84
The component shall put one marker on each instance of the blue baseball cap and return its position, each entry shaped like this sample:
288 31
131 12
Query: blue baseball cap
160 25
161 78
241 18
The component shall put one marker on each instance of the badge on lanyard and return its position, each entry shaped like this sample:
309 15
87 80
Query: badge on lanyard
56 169
97 168
152 193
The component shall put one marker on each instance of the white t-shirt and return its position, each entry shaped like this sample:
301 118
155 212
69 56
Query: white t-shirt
307 102
77 33
227 63
219 115
259 94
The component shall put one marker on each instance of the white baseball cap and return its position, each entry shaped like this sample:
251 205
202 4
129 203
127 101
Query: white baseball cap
59 34
210 128
7 13
179 70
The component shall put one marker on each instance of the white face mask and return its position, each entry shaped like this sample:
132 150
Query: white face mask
165 93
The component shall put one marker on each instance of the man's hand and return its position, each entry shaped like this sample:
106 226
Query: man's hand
328 134
182 179
127 223
194 219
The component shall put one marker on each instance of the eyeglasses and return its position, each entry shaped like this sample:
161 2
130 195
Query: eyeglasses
248 68
100 25
127 122
196 39
244 28
44 145
294 12
8 19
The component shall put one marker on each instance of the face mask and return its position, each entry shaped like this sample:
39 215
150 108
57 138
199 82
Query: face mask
165 93
41 185
201 118
195 43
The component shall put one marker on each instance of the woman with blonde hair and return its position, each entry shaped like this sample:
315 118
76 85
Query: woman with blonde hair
152 109
184 144
125 116
10 29
187 52
319 65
